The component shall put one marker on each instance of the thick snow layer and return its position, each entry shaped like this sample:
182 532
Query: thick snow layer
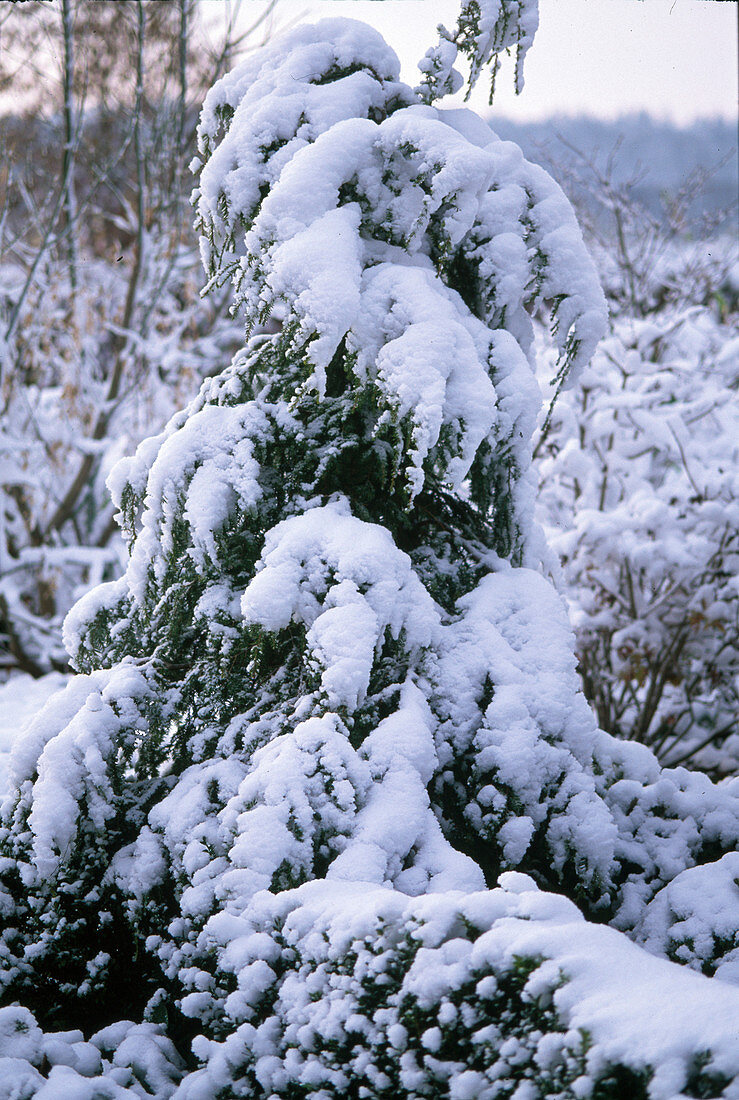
374 590
370 573
429 356
582 980
693 919
63 759
21 697
271 106
526 234
336 199
125 1061
536 734
638 1012
209 457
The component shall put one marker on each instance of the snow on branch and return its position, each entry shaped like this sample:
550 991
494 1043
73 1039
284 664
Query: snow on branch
333 198
485 29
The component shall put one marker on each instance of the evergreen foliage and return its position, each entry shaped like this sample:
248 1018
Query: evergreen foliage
324 805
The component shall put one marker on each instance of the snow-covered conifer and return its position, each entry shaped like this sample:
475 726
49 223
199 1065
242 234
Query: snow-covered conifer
325 798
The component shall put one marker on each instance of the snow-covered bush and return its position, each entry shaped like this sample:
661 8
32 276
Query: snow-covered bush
102 331
125 1060
325 802
661 237
61 431
639 496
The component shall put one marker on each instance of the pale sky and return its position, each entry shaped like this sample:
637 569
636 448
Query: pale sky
674 58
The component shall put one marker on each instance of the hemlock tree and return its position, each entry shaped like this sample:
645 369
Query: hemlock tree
325 805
